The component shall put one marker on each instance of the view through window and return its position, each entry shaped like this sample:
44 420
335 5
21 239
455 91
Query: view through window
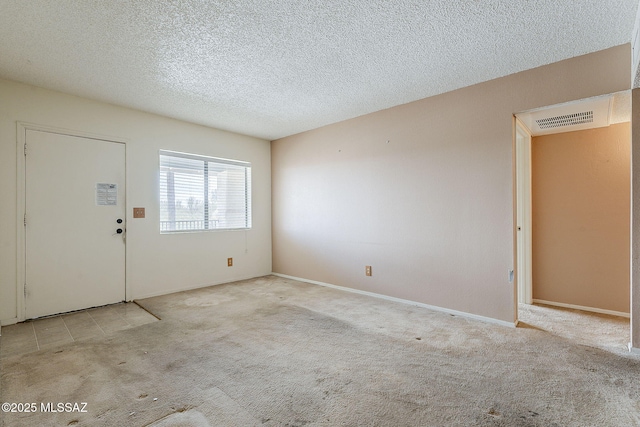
200 193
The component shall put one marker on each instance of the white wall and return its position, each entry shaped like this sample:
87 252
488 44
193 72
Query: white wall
156 264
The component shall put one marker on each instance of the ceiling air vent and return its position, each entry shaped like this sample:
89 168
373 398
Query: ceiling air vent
566 120
572 116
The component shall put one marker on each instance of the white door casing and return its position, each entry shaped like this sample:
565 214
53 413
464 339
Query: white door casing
74 257
523 214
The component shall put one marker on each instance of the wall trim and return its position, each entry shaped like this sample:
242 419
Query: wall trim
7 322
403 301
583 308
634 350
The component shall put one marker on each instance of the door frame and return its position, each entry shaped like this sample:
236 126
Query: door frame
523 223
21 253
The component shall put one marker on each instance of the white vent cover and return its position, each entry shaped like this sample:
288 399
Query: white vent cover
578 115
566 120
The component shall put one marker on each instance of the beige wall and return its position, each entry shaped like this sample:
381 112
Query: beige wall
156 264
635 221
581 213
431 209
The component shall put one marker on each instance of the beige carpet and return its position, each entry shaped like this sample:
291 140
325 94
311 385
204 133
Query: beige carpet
611 333
276 352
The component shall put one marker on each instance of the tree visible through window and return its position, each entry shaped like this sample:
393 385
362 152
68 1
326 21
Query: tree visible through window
203 193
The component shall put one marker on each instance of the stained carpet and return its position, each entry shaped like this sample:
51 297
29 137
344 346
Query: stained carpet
276 352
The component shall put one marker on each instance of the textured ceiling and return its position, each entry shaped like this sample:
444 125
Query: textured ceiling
272 68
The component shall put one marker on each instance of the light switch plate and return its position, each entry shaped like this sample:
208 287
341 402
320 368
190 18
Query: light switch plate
138 212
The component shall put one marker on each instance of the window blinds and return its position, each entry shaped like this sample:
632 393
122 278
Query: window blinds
203 193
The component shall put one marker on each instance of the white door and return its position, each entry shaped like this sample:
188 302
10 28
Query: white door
74 198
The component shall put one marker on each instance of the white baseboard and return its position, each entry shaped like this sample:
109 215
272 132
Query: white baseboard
403 301
583 308
7 322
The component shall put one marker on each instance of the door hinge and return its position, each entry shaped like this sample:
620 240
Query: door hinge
25 290
25 220
25 148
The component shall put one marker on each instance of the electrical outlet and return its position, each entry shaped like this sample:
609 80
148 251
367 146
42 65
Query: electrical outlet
138 212
367 270
229 262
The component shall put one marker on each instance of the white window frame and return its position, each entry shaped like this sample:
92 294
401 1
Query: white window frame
208 224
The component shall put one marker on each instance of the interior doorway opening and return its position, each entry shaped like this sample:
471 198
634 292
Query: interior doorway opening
534 126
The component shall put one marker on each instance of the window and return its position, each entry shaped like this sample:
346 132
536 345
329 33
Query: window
203 193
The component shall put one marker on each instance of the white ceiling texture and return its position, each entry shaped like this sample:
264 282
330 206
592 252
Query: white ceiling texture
272 68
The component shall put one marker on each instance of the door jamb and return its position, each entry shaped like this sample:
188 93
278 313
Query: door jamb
523 213
21 254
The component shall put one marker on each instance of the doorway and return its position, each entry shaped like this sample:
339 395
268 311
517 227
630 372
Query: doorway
74 222
576 167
